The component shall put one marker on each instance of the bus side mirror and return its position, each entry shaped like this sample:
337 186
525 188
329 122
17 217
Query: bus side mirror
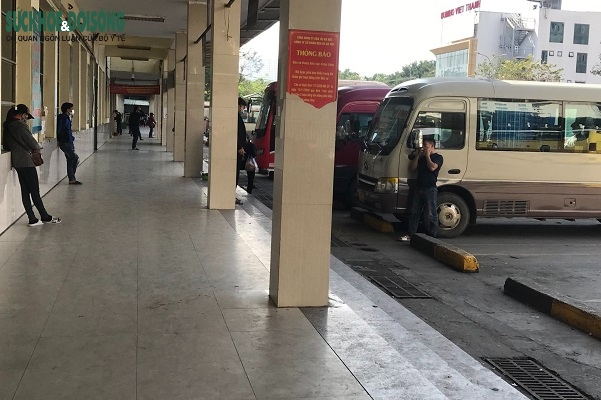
416 139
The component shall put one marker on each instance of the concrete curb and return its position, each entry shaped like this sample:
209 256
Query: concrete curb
375 221
448 254
569 311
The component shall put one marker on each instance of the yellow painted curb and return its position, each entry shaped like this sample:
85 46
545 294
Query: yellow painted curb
378 224
573 316
456 258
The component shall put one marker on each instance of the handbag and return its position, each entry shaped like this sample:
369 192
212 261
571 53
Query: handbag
36 156
251 164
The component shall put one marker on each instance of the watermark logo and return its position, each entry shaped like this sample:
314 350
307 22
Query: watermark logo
41 21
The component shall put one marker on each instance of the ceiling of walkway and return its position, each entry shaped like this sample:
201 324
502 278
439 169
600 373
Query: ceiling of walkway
146 42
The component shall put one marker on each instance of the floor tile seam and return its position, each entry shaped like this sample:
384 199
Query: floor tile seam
45 322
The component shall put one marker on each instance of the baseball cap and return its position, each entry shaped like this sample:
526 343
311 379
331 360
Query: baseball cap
23 109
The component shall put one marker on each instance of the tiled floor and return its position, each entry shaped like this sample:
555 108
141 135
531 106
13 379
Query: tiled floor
143 293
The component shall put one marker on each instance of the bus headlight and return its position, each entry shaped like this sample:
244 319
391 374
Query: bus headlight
387 185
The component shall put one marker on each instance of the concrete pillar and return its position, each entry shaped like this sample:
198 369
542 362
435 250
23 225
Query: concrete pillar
163 114
23 80
195 91
304 164
170 139
65 75
83 89
224 104
76 85
49 102
181 48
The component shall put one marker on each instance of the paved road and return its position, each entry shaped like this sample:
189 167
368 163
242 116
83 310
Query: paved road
471 309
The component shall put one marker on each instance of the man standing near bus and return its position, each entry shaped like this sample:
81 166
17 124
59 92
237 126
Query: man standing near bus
425 195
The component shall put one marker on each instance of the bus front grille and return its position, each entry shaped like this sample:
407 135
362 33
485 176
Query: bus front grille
506 207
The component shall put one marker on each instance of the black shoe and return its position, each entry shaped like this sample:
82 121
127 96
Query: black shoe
76 182
239 202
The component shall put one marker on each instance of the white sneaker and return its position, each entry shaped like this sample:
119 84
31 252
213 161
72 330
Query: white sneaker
36 223
54 220
404 238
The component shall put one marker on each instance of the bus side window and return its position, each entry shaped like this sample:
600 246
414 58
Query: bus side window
447 128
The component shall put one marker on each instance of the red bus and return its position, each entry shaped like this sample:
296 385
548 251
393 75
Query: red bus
357 104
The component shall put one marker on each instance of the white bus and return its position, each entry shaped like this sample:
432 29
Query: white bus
511 149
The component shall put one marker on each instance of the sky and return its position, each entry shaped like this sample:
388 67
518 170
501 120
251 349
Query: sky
383 35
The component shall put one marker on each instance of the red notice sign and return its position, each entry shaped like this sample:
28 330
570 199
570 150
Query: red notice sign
131 89
313 66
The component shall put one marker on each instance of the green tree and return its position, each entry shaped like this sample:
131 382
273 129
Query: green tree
349 75
519 70
250 65
416 69
597 68
256 86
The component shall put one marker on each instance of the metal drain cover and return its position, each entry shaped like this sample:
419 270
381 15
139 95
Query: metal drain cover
535 379
399 288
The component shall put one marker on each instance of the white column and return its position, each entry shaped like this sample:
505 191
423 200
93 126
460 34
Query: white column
181 48
304 162
169 140
195 91
224 104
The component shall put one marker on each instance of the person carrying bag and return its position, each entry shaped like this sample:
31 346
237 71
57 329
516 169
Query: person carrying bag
23 149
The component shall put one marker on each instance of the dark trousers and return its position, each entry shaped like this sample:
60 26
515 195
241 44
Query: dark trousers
119 128
30 191
135 132
239 166
72 159
151 130
251 181
424 199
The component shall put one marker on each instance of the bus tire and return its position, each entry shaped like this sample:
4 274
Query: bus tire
453 215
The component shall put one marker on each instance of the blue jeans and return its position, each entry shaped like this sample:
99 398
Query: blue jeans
72 159
424 199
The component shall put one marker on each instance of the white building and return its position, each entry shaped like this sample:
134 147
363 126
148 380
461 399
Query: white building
569 39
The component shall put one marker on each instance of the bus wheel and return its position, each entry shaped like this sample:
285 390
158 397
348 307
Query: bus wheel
453 215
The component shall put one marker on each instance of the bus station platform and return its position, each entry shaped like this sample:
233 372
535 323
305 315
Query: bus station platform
143 293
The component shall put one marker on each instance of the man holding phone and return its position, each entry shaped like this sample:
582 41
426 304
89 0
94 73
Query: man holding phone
427 163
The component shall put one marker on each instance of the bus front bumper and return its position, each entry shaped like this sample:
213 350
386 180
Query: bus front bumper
385 202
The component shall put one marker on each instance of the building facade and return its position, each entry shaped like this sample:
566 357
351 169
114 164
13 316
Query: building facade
568 39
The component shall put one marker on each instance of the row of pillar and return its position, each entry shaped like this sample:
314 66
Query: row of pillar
300 253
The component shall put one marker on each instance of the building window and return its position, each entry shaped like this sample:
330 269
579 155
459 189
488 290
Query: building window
556 34
9 63
543 57
581 59
551 53
559 54
580 82
569 81
581 33
571 54
452 64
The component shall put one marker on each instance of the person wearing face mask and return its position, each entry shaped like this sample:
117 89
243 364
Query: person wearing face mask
64 136
17 138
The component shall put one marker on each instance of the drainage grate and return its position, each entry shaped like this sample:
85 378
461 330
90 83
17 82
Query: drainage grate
535 379
399 288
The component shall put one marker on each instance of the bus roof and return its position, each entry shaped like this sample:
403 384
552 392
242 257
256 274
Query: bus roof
474 87
361 93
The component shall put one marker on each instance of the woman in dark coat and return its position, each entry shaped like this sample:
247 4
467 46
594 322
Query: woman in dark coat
250 152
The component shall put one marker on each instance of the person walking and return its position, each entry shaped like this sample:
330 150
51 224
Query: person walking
64 136
241 143
250 153
134 126
151 124
427 163
18 139
118 120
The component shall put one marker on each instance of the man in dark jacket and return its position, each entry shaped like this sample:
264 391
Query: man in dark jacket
18 139
118 120
134 126
64 136
241 142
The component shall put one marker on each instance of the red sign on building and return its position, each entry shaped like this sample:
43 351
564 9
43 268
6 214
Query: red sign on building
313 66
135 90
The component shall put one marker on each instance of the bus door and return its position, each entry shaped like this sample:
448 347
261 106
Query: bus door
447 122
351 128
264 138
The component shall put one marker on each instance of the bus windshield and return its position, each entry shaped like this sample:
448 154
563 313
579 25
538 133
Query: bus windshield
389 122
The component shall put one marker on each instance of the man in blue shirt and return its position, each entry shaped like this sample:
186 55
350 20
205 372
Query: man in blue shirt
64 136
427 163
